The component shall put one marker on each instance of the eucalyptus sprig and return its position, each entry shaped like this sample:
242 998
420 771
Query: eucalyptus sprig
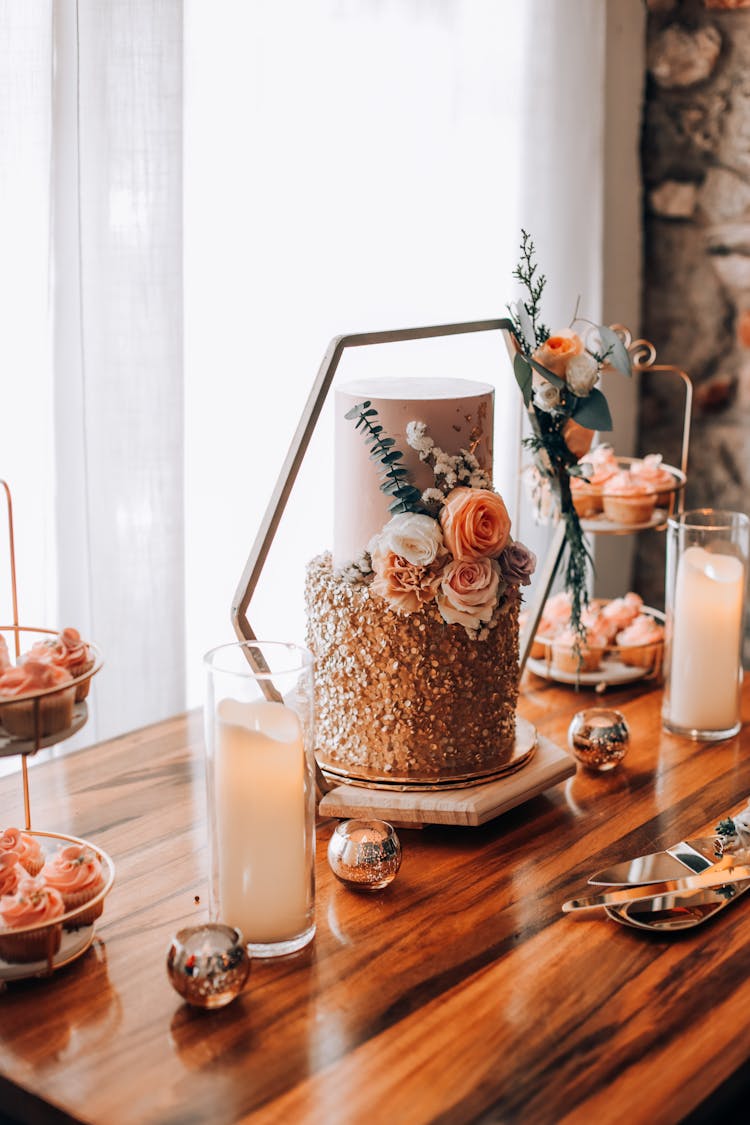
383 449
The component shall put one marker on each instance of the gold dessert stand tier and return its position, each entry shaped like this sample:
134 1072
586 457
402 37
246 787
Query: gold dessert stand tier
537 764
76 939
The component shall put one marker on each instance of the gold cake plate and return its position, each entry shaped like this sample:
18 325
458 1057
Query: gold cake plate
468 805
522 752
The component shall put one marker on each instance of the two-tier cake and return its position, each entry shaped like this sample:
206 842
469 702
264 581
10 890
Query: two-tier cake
413 619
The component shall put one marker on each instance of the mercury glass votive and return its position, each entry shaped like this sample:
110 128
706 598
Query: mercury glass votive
598 738
364 855
208 964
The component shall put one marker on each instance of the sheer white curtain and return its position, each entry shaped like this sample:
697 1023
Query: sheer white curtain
91 214
345 166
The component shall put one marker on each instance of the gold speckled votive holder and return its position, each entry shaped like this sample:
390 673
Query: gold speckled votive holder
364 855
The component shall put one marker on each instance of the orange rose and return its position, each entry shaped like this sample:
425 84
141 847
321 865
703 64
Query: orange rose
404 586
476 523
555 353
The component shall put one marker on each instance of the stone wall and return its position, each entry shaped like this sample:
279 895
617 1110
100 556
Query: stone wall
696 290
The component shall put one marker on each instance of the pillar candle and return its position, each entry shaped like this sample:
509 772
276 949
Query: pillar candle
262 841
706 634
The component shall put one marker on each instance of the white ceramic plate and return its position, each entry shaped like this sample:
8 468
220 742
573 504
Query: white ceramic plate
74 943
611 672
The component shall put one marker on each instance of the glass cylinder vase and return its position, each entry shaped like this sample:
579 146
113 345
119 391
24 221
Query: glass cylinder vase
707 556
260 771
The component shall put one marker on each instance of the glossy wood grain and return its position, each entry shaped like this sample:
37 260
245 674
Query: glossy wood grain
459 994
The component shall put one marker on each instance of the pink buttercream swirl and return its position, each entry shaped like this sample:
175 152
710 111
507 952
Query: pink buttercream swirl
73 869
10 872
643 631
32 676
625 484
556 613
25 848
31 905
620 612
66 650
650 469
601 464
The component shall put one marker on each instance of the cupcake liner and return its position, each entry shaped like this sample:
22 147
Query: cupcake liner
81 669
55 714
624 510
31 946
86 917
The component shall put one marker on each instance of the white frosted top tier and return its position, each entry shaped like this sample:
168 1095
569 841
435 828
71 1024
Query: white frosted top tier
458 414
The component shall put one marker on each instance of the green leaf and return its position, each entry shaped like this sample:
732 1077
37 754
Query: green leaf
526 326
619 356
407 492
394 455
548 375
369 413
397 507
593 412
356 410
522 372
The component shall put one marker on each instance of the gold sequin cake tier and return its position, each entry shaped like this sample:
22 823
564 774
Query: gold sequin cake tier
407 696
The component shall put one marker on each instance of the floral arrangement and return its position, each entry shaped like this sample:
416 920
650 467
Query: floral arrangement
557 373
448 546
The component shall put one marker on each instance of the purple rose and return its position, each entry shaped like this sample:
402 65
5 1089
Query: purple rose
517 564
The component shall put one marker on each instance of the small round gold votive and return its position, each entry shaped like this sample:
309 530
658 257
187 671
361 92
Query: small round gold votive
364 855
208 965
598 738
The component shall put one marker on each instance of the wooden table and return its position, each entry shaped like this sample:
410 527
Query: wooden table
460 994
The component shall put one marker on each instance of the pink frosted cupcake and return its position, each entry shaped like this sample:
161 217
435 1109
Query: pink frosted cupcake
599 465
32 904
641 643
26 848
67 651
76 873
651 470
628 500
586 656
55 710
621 612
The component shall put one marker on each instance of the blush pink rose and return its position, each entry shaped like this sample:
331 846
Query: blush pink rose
475 522
469 592
405 586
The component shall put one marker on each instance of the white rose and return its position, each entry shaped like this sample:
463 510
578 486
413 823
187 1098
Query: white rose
546 397
416 538
469 592
581 373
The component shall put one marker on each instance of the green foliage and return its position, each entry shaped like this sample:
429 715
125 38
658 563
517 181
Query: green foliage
395 482
725 827
617 353
528 325
522 372
593 411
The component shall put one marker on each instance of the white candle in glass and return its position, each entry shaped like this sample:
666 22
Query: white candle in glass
706 634
264 883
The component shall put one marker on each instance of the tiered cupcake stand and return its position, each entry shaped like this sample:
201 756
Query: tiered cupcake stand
76 939
671 500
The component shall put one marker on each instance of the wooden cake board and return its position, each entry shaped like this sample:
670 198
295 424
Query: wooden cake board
468 807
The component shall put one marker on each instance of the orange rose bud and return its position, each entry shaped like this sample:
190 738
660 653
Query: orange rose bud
475 522
555 353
